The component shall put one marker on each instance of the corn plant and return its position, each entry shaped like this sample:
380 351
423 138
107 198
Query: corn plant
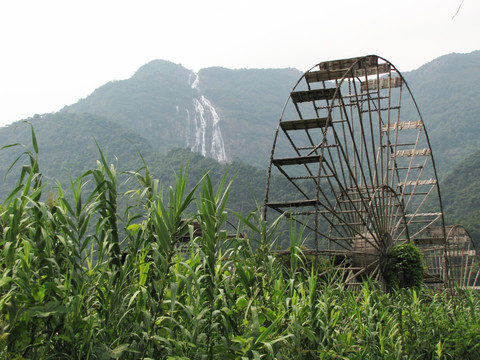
165 279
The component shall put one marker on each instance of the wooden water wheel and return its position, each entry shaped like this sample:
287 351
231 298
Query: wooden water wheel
462 259
354 148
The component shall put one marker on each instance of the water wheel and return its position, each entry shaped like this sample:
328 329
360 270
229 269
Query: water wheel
361 175
462 259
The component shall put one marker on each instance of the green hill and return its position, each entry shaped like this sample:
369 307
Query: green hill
164 106
447 91
68 145
68 148
145 103
159 103
461 196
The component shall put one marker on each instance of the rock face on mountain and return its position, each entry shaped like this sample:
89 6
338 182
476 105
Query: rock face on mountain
220 113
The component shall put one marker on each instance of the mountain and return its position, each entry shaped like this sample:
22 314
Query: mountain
146 103
461 195
230 116
447 90
250 102
68 145
221 113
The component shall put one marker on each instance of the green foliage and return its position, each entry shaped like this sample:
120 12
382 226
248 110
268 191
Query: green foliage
72 286
461 196
145 103
82 134
404 268
69 147
445 90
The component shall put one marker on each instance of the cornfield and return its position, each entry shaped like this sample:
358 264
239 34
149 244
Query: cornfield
82 280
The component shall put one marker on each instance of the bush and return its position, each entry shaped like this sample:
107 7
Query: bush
404 267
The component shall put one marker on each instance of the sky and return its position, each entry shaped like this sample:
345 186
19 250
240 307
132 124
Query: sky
55 52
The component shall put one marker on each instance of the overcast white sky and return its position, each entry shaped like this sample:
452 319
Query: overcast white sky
54 52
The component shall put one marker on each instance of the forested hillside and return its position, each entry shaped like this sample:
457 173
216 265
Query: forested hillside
447 91
158 102
145 103
250 102
165 106
165 103
461 195
68 148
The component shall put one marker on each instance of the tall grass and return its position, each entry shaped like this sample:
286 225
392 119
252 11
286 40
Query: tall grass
79 280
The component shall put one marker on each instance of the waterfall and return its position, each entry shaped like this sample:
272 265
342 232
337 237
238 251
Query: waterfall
205 126
194 83
200 128
217 149
187 129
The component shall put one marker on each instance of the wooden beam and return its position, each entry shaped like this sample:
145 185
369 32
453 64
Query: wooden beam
360 62
334 74
297 160
304 124
287 204
312 95
382 83
404 125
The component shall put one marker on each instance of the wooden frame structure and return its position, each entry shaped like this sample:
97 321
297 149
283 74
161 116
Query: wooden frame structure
463 268
353 146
